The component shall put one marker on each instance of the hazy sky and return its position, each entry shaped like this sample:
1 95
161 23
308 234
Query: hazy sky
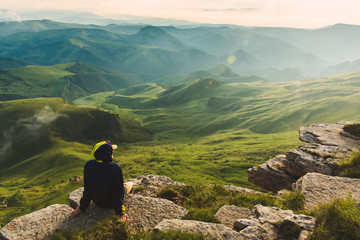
292 13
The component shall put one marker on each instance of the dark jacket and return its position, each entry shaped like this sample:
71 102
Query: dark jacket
104 184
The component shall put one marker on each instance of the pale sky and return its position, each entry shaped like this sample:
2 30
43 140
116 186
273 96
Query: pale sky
281 13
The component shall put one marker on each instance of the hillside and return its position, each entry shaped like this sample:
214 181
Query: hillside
69 81
199 107
44 142
6 62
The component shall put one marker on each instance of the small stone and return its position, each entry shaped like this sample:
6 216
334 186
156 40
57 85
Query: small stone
228 214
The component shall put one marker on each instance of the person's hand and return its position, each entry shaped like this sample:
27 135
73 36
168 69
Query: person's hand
75 212
124 218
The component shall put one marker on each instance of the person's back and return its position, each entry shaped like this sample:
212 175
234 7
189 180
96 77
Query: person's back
103 181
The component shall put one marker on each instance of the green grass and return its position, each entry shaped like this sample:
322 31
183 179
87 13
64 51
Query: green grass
338 220
113 228
351 167
45 142
203 201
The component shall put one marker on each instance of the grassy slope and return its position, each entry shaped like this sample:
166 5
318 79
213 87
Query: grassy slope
70 81
199 140
44 143
216 133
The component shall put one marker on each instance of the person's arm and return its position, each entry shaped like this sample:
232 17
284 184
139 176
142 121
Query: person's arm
86 198
118 192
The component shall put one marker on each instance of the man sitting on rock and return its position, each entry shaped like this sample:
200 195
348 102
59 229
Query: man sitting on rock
104 182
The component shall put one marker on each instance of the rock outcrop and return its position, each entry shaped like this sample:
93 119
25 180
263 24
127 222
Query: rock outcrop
144 212
37 225
262 223
213 231
319 188
326 144
273 223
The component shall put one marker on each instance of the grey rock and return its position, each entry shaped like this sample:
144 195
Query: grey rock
328 134
272 175
327 144
319 188
153 184
264 223
144 212
299 163
210 230
228 214
232 188
37 225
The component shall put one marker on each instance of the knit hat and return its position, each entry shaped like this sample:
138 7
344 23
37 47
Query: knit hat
103 151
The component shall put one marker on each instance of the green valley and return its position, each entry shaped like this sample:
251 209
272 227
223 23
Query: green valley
199 104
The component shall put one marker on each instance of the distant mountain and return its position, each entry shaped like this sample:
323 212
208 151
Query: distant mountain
155 36
69 81
221 73
6 62
257 51
342 68
283 75
336 44
9 28
103 48
158 51
245 64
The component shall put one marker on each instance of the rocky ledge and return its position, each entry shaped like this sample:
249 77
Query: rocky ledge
325 145
151 213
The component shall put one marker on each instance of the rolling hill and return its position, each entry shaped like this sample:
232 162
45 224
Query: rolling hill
44 142
69 81
221 72
199 107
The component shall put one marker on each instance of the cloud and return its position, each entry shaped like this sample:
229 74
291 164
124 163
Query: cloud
26 128
8 15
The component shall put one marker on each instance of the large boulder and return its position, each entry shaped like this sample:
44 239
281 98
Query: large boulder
329 135
272 175
213 231
319 188
326 145
273 223
228 214
144 212
37 225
